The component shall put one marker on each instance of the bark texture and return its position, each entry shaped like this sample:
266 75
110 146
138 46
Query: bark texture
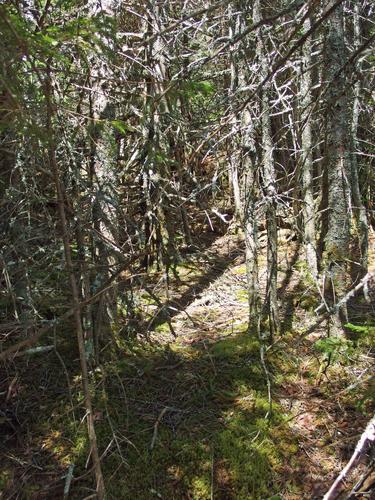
337 239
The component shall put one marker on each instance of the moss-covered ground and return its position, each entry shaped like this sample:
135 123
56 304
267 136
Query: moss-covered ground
189 418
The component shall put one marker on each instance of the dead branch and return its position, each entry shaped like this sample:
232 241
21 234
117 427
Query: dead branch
367 437
13 351
157 423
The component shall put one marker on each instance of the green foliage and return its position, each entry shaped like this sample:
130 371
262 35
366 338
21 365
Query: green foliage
335 348
200 94
363 335
192 88
120 126
364 329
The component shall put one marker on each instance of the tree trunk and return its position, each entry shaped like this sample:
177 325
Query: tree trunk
337 238
269 179
360 257
100 490
234 158
307 158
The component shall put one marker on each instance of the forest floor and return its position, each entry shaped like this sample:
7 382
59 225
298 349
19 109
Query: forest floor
184 413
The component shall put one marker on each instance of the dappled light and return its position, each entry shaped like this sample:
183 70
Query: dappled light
187 250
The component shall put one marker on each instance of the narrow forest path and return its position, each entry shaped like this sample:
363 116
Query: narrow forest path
185 418
211 296
323 427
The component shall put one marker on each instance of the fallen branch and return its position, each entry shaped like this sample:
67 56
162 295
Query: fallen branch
39 349
68 481
361 483
329 313
33 339
13 351
157 423
340 303
367 437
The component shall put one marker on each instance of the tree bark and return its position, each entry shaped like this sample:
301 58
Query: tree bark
269 179
338 164
359 267
234 157
307 158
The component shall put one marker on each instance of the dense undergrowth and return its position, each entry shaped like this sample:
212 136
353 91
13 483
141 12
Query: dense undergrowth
190 419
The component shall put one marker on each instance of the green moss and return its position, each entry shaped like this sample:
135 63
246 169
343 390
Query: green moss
80 445
239 270
242 296
213 438
5 478
163 328
242 344
249 463
201 488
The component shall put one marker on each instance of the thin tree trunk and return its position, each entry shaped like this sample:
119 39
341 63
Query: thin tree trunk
359 210
234 29
242 160
250 227
307 158
100 490
269 180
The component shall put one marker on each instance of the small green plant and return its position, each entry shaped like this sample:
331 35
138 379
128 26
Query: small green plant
335 348
362 329
362 335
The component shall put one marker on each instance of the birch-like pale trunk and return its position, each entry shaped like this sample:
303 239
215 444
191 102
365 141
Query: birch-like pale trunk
359 210
307 158
234 158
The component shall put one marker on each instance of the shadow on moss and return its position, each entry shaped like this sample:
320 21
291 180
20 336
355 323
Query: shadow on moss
201 410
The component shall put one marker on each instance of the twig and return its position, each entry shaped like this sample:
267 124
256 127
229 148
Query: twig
340 303
268 380
358 382
157 423
333 310
169 367
362 479
212 475
367 436
68 480
66 373
210 357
